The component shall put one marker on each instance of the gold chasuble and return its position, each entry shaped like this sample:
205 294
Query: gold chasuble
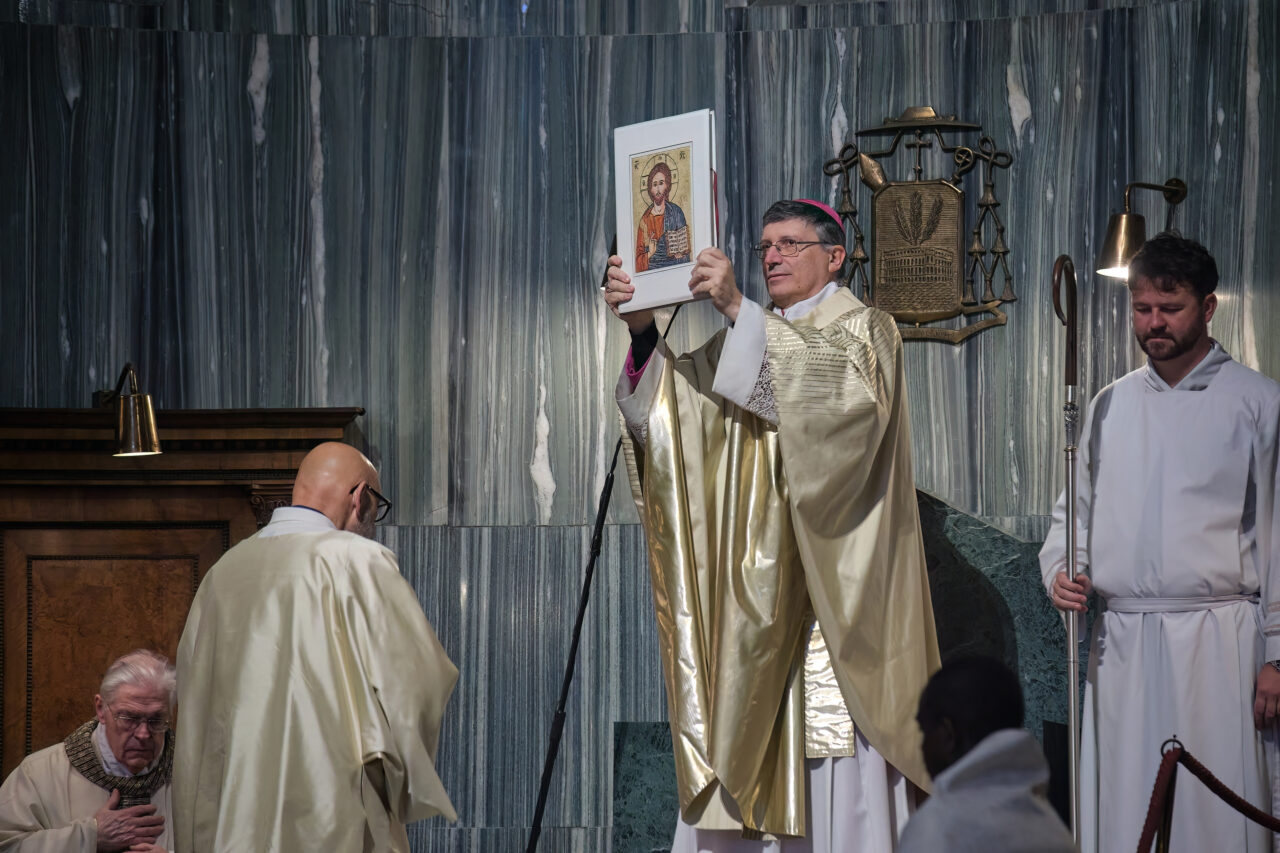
754 529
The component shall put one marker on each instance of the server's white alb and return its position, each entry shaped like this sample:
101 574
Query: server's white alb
1180 535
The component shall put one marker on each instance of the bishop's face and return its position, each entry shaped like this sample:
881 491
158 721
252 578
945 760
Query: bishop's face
1169 323
794 278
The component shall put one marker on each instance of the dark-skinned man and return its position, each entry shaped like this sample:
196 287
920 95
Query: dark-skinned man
990 777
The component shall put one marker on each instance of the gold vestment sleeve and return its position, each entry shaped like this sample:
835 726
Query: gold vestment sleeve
729 598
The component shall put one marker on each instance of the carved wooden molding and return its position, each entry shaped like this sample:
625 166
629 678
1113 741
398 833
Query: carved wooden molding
265 499
201 446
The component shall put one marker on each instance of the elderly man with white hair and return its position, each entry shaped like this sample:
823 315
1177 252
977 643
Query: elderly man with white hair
106 787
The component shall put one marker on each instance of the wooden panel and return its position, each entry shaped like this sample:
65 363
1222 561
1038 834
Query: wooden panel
101 555
77 596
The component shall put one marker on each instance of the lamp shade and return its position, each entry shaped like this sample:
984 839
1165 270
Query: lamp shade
136 426
1126 232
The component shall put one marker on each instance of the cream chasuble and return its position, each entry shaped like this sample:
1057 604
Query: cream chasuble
48 807
311 690
752 529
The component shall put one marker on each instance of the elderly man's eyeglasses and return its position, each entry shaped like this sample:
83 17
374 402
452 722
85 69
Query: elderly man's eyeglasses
383 507
130 722
786 247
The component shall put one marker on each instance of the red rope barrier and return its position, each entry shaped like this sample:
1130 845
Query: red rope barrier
1159 798
1161 806
1229 796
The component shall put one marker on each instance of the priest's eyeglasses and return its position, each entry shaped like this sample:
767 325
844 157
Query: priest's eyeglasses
130 722
786 247
383 506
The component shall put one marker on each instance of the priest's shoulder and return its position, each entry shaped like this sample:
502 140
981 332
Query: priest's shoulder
1247 381
39 763
855 314
362 549
291 545
1135 378
881 323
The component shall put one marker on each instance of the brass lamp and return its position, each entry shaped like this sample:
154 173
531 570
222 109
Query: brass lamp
135 418
1126 232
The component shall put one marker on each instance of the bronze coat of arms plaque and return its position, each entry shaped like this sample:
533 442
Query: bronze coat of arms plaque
922 268
918 274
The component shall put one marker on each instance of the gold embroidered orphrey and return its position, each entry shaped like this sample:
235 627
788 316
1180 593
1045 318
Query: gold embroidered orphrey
919 271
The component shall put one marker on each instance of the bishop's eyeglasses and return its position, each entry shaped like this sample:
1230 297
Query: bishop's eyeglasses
383 506
786 247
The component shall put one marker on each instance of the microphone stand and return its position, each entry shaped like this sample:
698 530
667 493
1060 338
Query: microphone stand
1064 267
558 719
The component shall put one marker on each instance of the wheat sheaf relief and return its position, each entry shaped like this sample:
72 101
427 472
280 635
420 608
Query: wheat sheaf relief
914 229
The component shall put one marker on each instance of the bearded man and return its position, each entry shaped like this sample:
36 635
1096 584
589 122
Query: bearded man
1180 538
772 471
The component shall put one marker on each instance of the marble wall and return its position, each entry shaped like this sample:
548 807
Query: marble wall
406 206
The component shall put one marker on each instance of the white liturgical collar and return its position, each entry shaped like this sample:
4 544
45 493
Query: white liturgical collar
297 519
804 306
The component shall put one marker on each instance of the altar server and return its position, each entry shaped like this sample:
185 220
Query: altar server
1178 533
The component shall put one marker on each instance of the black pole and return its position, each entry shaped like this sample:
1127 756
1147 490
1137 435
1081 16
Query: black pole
557 721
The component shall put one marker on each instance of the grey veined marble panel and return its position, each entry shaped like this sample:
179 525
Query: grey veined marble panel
416 225
1086 102
254 221
489 18
537 353
503 602
399 18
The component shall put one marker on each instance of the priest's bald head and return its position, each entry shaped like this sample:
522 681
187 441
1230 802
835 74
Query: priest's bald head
341 483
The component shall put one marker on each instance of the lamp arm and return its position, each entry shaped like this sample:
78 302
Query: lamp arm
107 396
132 377
1174 191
